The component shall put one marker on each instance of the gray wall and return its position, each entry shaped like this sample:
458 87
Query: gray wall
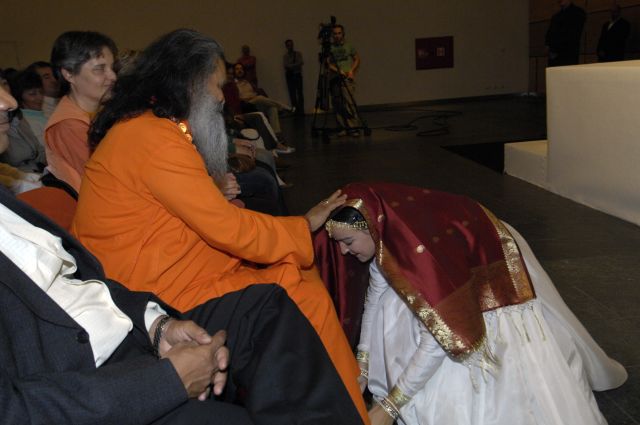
490 38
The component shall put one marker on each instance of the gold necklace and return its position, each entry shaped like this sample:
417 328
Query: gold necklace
184 128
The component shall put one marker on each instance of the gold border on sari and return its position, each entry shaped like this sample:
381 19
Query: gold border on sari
449 340
513 259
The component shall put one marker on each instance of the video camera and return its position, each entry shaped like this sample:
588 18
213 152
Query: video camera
324 36
326 30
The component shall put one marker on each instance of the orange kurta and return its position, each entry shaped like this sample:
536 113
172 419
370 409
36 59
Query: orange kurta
66 142
153 216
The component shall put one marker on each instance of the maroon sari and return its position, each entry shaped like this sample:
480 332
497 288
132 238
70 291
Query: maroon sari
446 256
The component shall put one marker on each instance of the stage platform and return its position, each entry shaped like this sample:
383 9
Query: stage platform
527 161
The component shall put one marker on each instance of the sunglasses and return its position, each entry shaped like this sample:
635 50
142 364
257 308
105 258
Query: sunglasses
8 116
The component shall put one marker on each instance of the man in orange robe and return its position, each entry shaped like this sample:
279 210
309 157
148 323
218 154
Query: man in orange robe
150 210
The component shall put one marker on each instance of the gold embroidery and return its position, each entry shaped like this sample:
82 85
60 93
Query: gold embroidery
410 198
479 293
426 191
331 225
485 279
449 231
398 398
395 204
442 332
449 341
358 205
362 356
513 259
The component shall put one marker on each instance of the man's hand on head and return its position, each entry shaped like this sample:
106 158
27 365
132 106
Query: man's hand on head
317 215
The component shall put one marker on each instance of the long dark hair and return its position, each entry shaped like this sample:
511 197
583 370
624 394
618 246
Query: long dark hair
163 78
73 49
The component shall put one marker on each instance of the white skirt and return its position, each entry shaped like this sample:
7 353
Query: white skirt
548 364
602 372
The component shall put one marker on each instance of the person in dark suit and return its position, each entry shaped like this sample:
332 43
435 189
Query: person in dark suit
564 34
613 37
77 348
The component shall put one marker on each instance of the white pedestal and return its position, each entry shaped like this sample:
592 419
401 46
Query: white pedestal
593 128
527 161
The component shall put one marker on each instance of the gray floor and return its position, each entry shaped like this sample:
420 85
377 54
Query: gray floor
590 256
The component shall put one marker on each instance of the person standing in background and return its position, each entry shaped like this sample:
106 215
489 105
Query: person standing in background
564 34
292 62
249 63
344 63
613 37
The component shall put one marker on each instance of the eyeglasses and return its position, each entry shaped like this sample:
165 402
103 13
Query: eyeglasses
8 116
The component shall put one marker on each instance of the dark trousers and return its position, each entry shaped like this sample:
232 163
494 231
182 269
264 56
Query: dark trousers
255 121
342 99
565 57
279 372
296 93
260 190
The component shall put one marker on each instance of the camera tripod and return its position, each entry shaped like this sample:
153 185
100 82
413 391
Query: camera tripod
334 87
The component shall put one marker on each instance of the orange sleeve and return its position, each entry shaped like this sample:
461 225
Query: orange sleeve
69 139
176 177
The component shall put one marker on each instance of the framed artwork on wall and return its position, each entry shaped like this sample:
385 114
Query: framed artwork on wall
434 52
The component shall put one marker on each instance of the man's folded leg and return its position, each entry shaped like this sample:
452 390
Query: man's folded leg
208 412
280 371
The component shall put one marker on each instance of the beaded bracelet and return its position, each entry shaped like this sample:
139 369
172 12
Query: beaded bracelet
364 372
157 336
389 408
362 356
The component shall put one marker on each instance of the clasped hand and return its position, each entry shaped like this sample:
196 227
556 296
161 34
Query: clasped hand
201 360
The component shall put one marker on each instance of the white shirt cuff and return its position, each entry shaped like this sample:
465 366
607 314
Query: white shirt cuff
152 313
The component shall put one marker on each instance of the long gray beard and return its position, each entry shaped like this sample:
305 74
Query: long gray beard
209 134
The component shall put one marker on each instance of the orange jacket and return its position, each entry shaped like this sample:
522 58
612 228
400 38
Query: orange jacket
66 142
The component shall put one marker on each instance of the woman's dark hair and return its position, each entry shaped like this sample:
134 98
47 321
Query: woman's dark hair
37 65
347 215
73 49
164 79
9 73
23 81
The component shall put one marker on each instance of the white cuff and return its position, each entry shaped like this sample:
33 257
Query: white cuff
152 313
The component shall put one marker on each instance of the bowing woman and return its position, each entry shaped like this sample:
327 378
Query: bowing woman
453 332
